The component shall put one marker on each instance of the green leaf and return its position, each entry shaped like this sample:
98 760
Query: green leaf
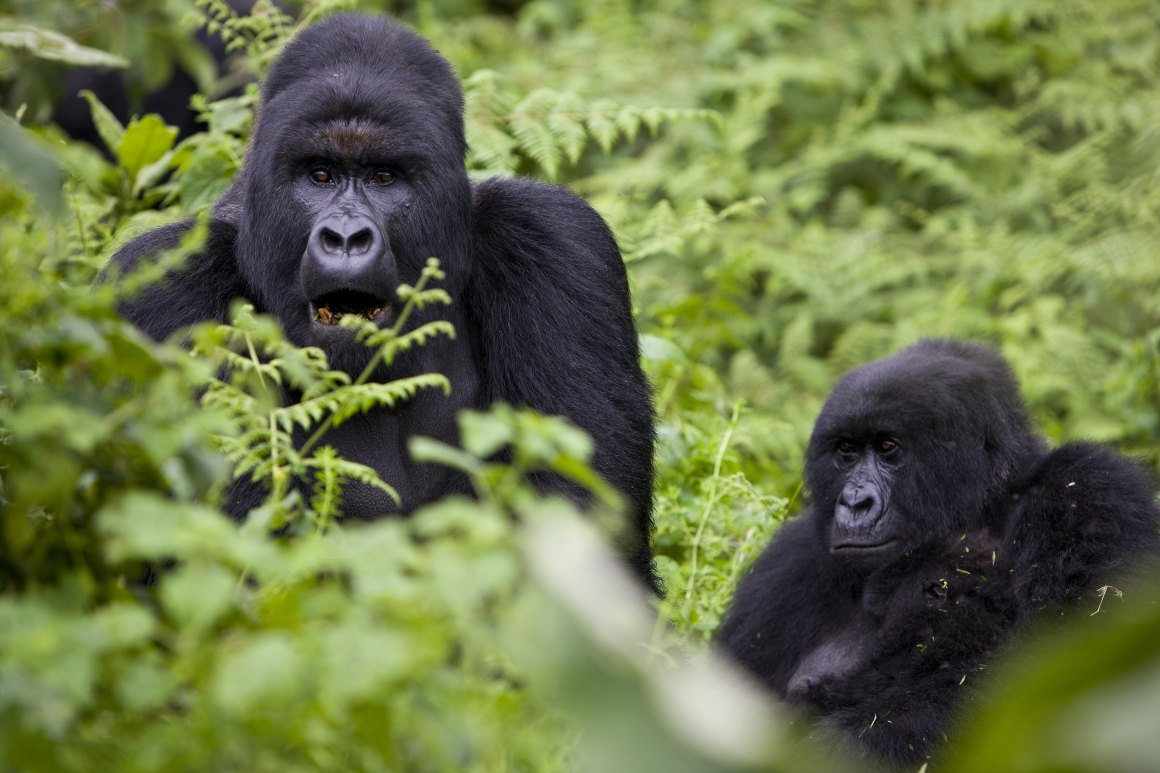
197 595
109 128
47 44
145 141
31 163
265 671
483 434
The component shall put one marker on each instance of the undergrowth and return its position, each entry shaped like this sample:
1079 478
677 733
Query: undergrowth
797 187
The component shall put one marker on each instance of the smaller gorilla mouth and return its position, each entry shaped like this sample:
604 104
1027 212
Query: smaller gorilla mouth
861 548
329 309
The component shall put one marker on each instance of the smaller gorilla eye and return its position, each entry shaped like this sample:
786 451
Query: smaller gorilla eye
321 175
846 447
887 446
383 177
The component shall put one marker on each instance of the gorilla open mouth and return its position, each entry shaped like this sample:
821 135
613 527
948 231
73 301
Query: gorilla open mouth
329 309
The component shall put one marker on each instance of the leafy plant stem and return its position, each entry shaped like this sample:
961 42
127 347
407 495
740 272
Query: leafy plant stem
711 499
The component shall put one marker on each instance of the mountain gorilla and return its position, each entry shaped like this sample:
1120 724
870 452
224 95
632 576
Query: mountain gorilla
939 524
354 176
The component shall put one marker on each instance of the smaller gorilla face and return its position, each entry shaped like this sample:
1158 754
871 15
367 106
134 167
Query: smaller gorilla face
914 447
867 465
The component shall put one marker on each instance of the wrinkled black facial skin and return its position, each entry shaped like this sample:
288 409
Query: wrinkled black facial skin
863 522
349 267
938 524
353 178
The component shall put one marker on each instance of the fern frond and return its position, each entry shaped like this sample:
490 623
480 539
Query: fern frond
326 493
663 232
550 127
260 34
326 461
348 401
395 344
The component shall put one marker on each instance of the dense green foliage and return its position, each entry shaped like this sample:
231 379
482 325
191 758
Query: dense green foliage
797 186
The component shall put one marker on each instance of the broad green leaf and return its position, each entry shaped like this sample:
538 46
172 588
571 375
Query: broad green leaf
31 164
146 140
197 595
484 433
263 672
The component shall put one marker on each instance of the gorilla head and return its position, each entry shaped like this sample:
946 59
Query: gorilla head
354 177
916 446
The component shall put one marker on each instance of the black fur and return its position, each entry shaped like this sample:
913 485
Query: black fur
938 524
353 178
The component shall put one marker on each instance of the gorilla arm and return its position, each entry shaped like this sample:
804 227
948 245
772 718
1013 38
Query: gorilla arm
551 323
790 610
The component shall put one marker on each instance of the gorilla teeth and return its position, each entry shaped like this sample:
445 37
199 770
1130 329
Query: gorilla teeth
327 317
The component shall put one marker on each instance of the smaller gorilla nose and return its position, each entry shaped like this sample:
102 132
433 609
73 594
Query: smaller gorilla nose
857 499
858 508
353 236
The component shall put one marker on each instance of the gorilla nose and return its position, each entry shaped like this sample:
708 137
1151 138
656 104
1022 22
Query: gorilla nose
858 509
347 235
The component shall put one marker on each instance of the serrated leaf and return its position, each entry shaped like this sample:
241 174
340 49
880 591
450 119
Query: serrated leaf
109 128
482 434
425 449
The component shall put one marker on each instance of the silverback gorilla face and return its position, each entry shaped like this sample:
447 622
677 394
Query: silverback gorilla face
892 471
355 171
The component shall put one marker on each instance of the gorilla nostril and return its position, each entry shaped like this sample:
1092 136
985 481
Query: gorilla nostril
331 242
361 241
856 500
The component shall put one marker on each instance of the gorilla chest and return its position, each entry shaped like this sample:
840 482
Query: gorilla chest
379 439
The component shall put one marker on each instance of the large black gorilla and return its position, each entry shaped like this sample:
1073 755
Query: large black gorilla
354 176
939 523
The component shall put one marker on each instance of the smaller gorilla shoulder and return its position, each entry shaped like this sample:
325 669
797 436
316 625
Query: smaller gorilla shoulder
1085 514
145 246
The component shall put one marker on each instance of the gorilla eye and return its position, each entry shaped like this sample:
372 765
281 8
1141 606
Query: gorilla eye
846 447
383 177
887 446
321 175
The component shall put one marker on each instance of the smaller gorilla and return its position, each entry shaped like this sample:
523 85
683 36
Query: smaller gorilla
939 524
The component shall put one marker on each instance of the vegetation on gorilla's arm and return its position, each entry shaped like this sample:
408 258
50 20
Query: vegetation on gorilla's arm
799 187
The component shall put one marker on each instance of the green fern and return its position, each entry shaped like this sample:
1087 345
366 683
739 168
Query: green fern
260 34
550 128
259 366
